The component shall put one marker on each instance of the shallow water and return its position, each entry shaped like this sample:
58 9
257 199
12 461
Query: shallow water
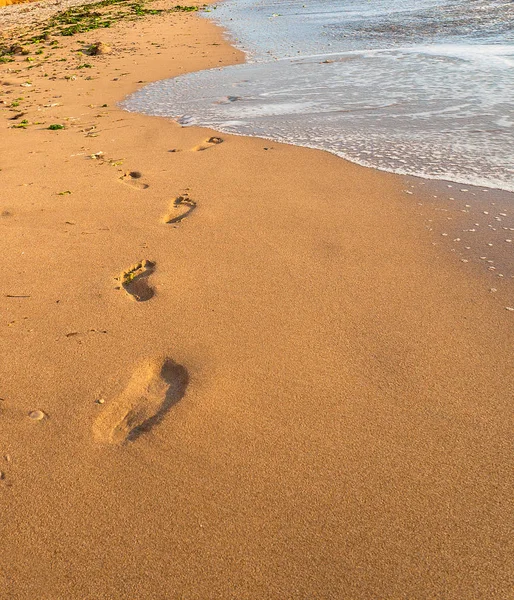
425 89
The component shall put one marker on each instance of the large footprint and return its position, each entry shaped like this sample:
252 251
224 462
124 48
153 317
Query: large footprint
155 386
134 280
209 143
133 178
182 207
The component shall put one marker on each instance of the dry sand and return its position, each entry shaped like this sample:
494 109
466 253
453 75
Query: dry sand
309 399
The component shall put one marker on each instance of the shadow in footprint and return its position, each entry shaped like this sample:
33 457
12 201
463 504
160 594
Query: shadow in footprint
183 206
209 143
132 178
134 280
154 388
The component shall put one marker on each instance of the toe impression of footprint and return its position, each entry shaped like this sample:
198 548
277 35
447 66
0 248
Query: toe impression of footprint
154 388
181 208
209 143
134 280
133 178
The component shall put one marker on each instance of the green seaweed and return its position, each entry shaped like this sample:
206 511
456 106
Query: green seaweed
21 125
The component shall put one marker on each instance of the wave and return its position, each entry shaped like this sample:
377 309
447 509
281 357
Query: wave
439 107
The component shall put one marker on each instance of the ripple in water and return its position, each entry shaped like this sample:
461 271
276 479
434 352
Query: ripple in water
426 91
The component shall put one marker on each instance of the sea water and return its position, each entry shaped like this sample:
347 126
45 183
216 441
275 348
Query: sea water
420 87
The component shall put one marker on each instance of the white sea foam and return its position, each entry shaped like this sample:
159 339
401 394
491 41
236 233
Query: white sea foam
425 89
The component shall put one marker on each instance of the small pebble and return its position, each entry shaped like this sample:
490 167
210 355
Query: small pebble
493 290
37 415
510 308
100 401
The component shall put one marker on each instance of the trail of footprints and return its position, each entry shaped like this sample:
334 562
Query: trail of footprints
134 280
155 385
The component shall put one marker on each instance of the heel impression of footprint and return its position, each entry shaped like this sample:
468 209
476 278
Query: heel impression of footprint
133 178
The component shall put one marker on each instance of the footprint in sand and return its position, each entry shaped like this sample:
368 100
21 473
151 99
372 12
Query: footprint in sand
134 280
209 143
182 207
132 178
155 386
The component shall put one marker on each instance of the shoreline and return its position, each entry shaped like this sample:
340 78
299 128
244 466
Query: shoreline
337 425
272 57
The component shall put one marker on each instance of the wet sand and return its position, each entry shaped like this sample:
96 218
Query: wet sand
257 375
476 224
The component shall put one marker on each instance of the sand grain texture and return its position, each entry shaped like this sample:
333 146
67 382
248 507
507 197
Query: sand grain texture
345 431
155 386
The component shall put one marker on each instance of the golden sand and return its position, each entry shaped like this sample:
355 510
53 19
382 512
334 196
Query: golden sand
313 402
9 2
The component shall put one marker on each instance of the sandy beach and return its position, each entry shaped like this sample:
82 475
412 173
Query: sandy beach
230 368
